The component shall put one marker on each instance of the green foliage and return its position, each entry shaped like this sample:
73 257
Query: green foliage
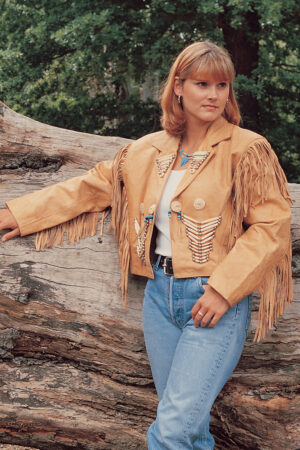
80 64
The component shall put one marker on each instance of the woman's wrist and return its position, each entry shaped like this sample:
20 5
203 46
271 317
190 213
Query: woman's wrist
209 288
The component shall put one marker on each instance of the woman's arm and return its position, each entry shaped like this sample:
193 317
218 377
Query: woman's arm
260 257
58 203
261 203
69 207
61 202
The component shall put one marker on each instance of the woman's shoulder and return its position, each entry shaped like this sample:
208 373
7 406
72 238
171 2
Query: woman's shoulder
244 141
250 149
245 137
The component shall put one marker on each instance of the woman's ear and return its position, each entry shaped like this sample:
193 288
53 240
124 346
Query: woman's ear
178 85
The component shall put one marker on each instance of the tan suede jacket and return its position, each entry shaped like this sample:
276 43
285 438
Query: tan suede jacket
229 217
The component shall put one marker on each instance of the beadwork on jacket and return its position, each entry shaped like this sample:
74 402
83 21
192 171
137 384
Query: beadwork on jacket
197 159
142 235
200 234
164 163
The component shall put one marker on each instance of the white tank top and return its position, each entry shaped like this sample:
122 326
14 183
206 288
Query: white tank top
163 241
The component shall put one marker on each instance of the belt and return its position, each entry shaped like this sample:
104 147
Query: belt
166 263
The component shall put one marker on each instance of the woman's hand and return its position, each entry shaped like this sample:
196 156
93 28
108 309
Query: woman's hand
7 221
212 306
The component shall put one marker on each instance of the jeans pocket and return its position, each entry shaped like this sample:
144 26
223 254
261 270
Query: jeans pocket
202 281
200 285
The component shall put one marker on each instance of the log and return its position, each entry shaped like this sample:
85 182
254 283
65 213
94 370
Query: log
74 372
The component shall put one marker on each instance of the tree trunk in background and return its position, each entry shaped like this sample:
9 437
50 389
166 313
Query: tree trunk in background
242 44
73 370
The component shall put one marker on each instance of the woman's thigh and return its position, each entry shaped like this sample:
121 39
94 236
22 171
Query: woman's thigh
160 332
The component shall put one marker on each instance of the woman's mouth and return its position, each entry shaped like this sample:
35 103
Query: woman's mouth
210 107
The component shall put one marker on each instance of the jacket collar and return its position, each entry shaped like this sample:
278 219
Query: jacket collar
218 131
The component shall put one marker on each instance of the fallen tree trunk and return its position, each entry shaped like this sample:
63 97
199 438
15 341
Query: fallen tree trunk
74 373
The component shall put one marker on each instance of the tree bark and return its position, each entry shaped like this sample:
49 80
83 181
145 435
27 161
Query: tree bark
74 372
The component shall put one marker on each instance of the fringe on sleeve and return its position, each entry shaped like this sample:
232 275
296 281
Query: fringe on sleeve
72 231
254 174
119 214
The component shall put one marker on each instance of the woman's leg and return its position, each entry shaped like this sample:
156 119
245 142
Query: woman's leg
160 331
203 361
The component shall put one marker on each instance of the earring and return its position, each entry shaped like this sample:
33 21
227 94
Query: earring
227 101
179 100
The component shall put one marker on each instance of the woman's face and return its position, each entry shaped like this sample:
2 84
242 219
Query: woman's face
203 98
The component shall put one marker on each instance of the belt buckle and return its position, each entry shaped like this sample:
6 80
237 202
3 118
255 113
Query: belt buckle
167 266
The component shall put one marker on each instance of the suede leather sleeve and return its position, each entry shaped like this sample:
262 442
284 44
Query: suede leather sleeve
255 252
53 205
266 217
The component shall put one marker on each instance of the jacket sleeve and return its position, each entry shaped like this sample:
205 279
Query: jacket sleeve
260 248
57 204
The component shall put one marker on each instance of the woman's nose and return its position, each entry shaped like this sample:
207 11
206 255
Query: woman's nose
212 93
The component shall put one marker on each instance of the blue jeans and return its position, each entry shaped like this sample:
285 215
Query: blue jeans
189 365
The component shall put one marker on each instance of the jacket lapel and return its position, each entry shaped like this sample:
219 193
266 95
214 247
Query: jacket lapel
167 147
220 130
189 176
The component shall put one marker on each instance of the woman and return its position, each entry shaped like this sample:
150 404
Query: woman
201 209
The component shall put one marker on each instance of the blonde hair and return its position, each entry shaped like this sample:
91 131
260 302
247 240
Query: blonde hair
197 58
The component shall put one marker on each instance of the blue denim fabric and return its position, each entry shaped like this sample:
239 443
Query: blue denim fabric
189 365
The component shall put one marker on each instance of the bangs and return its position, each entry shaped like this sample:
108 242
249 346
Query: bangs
211 66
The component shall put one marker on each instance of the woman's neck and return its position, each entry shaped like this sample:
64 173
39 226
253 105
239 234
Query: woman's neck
193 137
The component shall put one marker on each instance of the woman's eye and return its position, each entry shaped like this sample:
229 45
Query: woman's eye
201 83
223 84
